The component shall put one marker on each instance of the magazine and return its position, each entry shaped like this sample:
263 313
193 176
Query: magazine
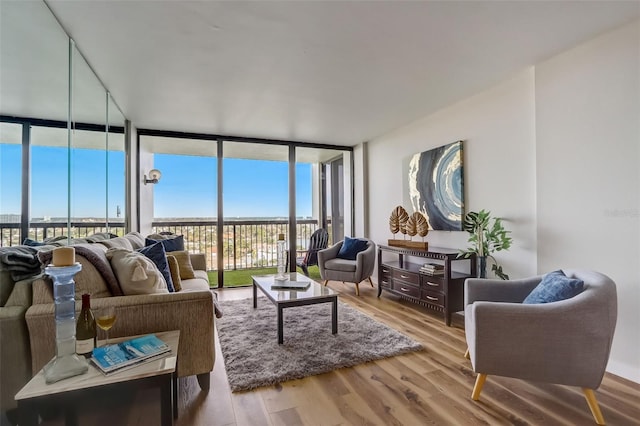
128 353
291 285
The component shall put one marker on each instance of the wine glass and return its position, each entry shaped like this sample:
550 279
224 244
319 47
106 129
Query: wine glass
105 319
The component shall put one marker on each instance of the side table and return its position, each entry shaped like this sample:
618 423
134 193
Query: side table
69 393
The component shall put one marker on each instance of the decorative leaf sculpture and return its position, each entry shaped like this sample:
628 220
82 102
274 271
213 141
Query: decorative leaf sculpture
422 226
397 220
410 226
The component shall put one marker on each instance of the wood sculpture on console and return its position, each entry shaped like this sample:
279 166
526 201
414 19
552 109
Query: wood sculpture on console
400 221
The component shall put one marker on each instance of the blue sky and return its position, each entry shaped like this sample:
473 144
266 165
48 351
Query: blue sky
187 189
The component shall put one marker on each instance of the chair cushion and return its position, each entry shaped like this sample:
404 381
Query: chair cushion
342 265
555 286
156 253
351 247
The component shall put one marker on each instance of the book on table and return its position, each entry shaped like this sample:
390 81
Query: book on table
118 356
290 285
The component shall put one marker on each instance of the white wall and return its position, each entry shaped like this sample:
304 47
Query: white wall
555 151
588 139
497 127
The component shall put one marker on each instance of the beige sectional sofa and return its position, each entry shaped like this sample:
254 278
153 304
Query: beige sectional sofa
27 315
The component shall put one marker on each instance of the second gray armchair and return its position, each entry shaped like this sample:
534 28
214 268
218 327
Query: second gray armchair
355 271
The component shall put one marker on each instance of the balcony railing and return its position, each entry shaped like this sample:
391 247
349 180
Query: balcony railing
245 243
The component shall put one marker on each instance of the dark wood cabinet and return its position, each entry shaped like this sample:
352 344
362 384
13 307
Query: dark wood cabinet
399 273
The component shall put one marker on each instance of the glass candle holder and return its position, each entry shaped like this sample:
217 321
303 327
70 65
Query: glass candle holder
66 363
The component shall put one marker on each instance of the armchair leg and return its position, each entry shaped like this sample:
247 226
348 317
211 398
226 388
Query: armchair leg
593 405
475 395
357 290
370 282
325 282
467 355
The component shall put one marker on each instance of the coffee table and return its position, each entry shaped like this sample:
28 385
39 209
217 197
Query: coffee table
71 392
316 293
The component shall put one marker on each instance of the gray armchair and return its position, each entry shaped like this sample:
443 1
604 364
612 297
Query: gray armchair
353 271
566 342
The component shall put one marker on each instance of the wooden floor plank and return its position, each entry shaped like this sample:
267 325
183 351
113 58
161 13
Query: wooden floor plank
428 387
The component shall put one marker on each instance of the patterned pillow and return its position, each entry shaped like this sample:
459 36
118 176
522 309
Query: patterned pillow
184 264
555 286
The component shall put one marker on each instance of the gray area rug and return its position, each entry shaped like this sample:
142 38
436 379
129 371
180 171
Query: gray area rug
253 358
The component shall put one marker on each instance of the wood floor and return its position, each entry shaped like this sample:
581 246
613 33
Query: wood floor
431 387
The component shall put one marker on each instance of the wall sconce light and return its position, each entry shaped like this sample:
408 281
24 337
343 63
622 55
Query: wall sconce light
154 176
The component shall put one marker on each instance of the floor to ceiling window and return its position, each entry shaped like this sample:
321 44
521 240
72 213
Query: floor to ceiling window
232 198
10 183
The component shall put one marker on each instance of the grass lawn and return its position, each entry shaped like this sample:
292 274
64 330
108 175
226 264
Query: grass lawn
242 277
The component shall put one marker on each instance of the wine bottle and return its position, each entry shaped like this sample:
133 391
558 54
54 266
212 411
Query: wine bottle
86 329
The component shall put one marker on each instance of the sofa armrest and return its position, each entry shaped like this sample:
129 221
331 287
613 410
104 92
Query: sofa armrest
198 261
189 312
22 293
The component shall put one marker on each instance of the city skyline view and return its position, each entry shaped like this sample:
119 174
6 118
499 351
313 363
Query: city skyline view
188 188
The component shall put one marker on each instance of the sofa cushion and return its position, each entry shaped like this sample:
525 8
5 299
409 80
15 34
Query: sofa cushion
136 239
351 247
184 264
175 243
120 242
199 283
555 286
174 270
96 277
156 253
136 273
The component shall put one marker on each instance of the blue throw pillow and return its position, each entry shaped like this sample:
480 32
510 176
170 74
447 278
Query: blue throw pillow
158 255
555 286
170 244
351 247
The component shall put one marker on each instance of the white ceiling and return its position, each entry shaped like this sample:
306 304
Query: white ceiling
334 72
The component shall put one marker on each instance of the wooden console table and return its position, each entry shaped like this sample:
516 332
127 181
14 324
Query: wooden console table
441 293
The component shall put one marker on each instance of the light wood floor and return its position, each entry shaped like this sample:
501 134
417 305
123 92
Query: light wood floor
431 387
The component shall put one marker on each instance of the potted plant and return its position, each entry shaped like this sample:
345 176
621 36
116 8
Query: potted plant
487 235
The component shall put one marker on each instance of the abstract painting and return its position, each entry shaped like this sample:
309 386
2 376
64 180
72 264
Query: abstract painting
436 186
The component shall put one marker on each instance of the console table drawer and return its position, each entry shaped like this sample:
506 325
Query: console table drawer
410 277
406 288
432 297
431 284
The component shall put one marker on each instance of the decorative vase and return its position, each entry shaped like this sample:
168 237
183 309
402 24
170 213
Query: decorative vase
281 258
66 363
482 267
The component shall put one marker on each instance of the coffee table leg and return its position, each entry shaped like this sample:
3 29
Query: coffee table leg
280 325
255 295
334 316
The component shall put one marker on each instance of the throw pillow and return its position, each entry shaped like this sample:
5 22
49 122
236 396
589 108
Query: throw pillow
555 286
170 244
136 273
174 268
136 240
120 242
184 264
158 256
351 247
